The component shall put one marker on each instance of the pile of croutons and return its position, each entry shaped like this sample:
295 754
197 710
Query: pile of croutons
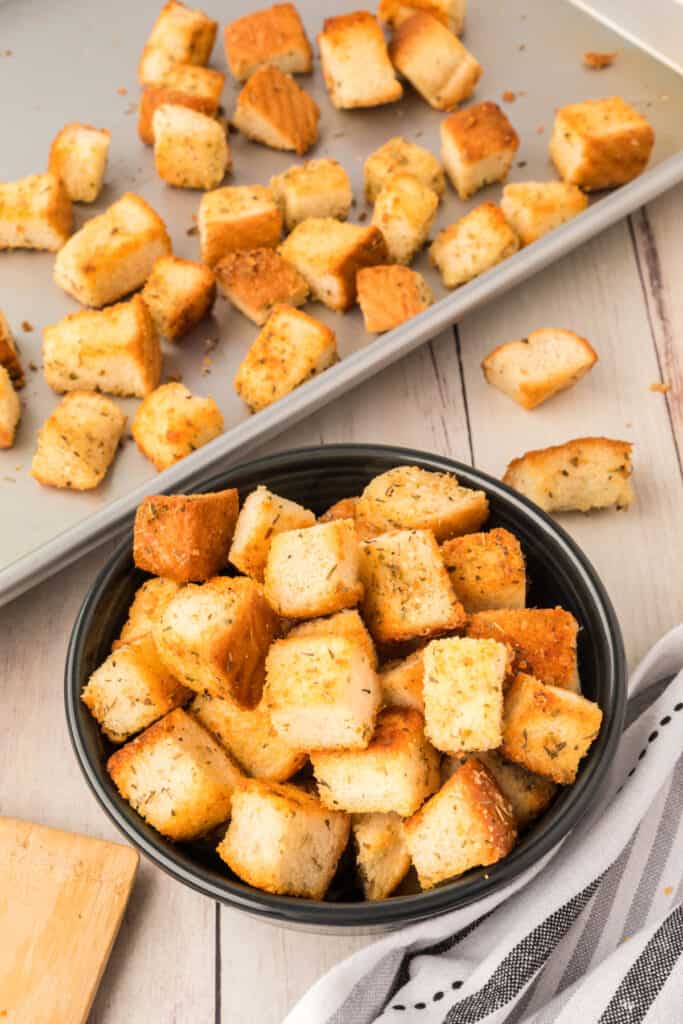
373 672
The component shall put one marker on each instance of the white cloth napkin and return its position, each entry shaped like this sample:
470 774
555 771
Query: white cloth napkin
597 936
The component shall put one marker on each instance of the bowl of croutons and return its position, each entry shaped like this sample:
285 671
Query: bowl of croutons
349 686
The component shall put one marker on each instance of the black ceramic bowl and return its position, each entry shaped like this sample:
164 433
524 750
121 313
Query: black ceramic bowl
559 574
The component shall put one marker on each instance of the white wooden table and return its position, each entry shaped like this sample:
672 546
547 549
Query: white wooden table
179 957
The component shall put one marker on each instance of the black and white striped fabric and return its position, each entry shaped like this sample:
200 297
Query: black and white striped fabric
591 935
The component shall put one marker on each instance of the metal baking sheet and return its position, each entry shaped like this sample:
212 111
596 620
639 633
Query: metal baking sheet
70 61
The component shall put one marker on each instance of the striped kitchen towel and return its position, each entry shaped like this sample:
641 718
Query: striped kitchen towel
592 934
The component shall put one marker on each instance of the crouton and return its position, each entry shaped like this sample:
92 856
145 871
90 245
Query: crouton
410 498
116 350
186 36
318 188
381 853
184 85
190 149
78 157
534 208
347 623
172 423
402 682
249 737
257 280
322 692
274 110
527 793
487 570
272 36
472 245
291 348
404 212
398 156
132 689
178 293
213 637
155 65
407 590
544 640
113 253
397 771
184 537
237 217
10 410
329 253
78 442
478 145
534 369
548 729
262 516
281 839
355 62
35 213
346 509
450 13
148 605
585 473
600 143
9 354
434 61
176 776
388 296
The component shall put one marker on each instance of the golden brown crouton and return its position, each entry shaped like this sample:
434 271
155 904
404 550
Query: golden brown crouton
534 369
184 35
184 85
478 145
190 148
398 156
318 188
274 110
237 217
258 280
450 13
346 509
346 623
388 296
78 157
78 442
178 293
381 853
355 62
262 516
544 640
534 208
9 355
35 213
402 682
10 410
434 61
172 423
527 793
272 36
404 212
148 605
474 244
487 570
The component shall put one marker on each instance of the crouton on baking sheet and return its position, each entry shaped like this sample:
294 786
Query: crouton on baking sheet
399 156
9 354
273 36
434 61
78 157
35 213
237 217
274 110
355 62
183 35
473 244
388 296
178 293
317 188
190 148
257 280
171 423
534 208
404 212
185 85
78 442
10 409
450 13
478 145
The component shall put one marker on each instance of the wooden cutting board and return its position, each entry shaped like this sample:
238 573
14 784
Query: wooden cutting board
62 897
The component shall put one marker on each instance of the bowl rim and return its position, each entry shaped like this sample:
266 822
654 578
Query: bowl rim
395 910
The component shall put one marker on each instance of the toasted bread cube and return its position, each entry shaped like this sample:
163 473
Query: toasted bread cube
434 61
78 442
184 85
534 369
185 537
478 145
450 13
474 244
116 350
534 208
398 156
402 682
527 793
10 410
410 498
237 217
178 293
176 776
148 605
155 65
9 354
404 212
467 824
585 473
291 348
258 280
190 149
35 213
381 853
347 623
397 771
487 570
346 509
113 253
183 35
281 839
544 640
214 637
388 296
78 157
262 516
322 692
172 423
355 62
274 36
600 143
329 253
274 110
548 729
407 590
318 188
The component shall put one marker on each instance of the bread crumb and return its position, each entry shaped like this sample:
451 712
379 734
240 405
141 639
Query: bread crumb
26 325
8 53
132 108
597 61
122 91
660 386
509 96
32 366
668 890
194 230
540 129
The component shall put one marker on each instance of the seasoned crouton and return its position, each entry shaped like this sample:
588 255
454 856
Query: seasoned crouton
258 280
237 217
184 536
346 623
355 62
184 35
9 355
402 682
78 157
272 36
329 253
262 516
407 590
404 212
213 637
410 498
35 213
467 824
398 156
586 473
388 296
527 793
10 410
78 442
534 208
434 61
346 509
190 149
474 244
291 348
381 853
487 570
176 776
172 423
281 839
178 293
534 369
148 605
113 253
397 771
450 13
544 640
184 85
318 188
600 143
548 729
322 692
116 350
274 110
478 145
155 65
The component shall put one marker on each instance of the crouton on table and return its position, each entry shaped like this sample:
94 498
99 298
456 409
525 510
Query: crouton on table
544 640
237 217
527 793
184 85
171 423
10 409
35 213
478 145
9 355
346 623
274 110
450 13
147 606
274 36
190 148
487 570
78 157
185 35
388 296
355 62
474 244
398 156
78 442
257 280
404 212
262 516
534 208
318 188
178 293
402 682
381 853
534 369
434 61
